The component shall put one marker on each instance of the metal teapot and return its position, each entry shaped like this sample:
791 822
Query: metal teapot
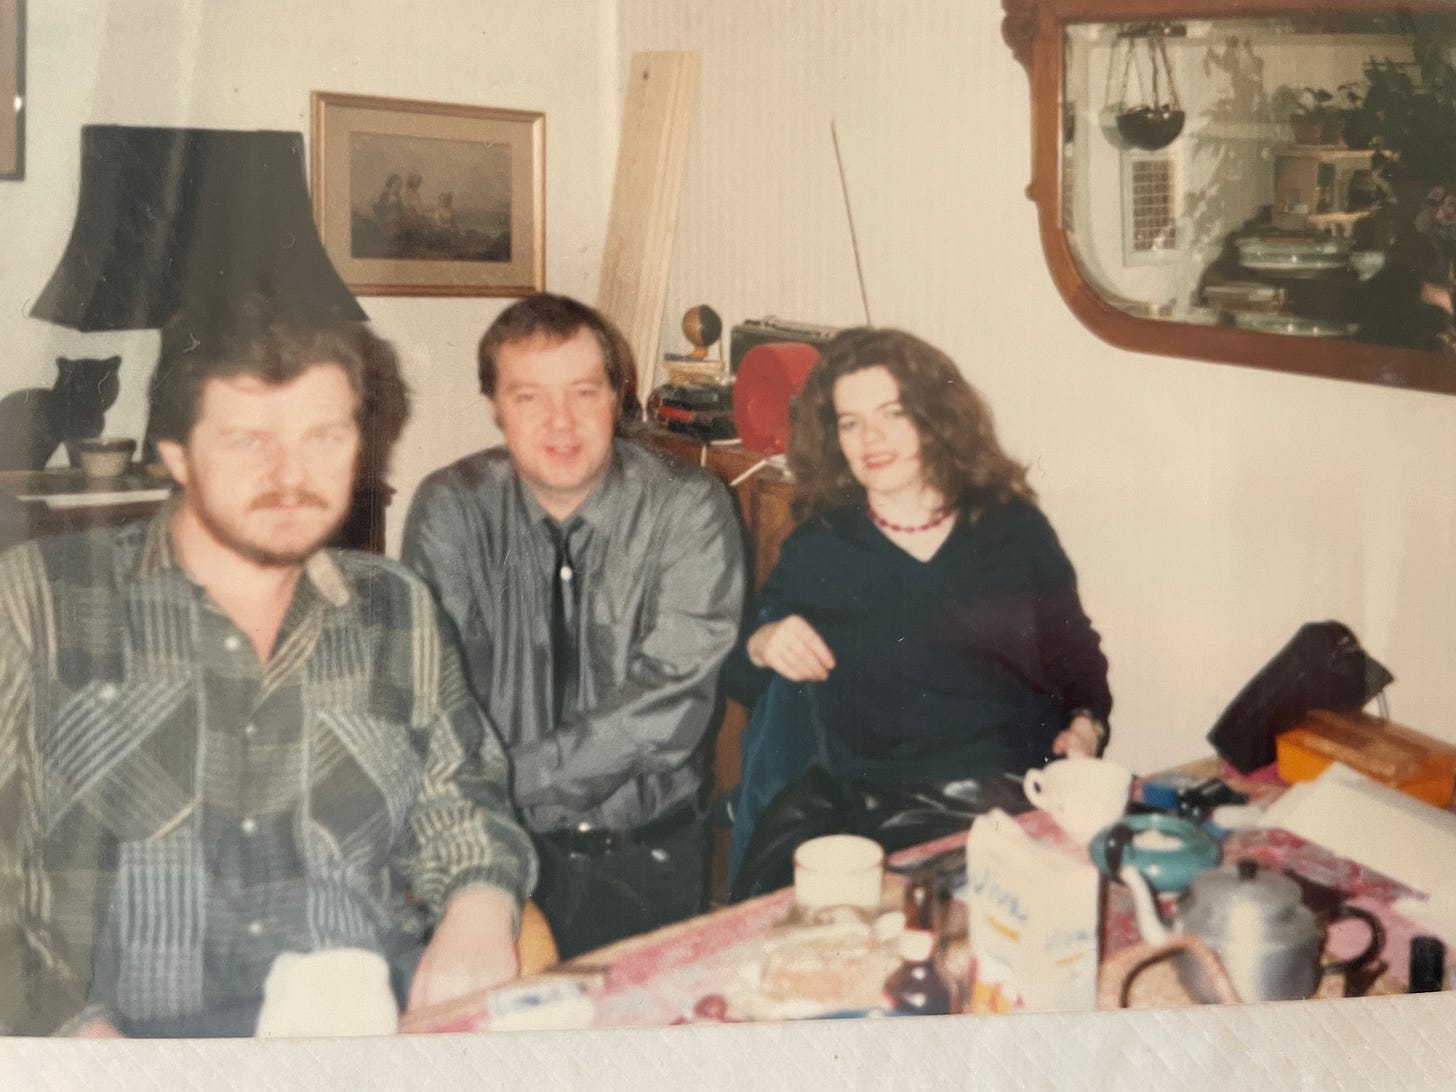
1255 921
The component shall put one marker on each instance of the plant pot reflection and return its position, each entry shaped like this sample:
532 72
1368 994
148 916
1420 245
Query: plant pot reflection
1319 129
1150 127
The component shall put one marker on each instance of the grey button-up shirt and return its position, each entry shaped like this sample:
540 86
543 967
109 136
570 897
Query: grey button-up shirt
659 575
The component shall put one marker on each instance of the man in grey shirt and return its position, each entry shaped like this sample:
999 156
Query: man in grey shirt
596 587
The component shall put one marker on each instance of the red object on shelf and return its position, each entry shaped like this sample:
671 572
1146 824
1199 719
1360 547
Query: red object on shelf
768 378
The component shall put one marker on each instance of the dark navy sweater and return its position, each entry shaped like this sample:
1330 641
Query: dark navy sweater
965 665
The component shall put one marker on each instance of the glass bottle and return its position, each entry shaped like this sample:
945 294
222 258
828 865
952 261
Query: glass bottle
918 987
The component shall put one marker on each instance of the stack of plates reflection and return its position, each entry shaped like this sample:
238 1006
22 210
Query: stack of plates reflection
1251 296
1265 323
1298 255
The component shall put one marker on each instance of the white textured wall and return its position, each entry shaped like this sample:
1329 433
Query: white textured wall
1209 509
251 64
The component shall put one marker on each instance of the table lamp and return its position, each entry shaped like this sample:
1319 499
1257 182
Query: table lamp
166 216
201 217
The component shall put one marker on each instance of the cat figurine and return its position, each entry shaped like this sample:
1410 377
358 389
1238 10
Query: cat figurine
34 422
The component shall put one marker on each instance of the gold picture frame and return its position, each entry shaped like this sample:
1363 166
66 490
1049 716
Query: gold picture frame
12 89
429 198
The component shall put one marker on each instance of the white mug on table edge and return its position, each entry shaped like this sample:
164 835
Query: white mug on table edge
1082 794
838 870
329 992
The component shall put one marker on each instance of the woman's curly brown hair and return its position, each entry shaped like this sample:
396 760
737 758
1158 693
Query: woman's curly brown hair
959 452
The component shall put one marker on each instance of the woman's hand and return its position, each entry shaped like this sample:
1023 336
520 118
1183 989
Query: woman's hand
792 648
1079 739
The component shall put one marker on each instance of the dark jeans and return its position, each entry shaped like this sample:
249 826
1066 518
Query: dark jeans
592 901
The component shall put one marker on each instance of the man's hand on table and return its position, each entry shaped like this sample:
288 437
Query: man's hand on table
100 1028
473 949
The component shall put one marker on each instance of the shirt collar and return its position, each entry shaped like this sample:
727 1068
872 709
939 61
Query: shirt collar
323 572
596 510
158 558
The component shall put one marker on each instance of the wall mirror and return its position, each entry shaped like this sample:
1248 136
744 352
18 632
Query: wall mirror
1261 182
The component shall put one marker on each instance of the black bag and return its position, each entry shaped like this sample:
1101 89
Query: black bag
1322 667
896 816
816 803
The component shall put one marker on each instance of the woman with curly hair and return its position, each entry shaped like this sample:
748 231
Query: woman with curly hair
923 602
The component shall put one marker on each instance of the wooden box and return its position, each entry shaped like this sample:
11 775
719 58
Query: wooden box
1390 753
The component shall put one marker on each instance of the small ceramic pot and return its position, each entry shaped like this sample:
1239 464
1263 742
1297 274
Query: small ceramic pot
105 456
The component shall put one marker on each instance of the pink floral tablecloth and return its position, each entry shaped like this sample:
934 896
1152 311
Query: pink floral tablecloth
656 979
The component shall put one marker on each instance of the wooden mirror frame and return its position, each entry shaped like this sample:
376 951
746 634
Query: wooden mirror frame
1035 31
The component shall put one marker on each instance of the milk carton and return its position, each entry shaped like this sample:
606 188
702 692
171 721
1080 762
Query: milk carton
1033 922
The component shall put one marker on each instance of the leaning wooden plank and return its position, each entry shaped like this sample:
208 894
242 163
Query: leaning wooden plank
662 92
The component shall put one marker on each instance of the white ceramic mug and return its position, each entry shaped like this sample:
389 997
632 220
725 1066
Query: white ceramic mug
1082 794
333 991
839 870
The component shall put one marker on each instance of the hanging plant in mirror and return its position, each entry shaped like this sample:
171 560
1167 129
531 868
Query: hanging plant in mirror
1156 123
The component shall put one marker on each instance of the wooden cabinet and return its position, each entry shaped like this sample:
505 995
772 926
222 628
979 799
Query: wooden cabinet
764 495
764 492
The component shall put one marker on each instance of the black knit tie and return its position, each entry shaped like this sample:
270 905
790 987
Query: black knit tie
563 614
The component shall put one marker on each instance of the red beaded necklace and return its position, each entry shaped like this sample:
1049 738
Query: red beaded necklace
879 521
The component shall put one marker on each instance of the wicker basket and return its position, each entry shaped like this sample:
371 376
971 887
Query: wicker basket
1145 977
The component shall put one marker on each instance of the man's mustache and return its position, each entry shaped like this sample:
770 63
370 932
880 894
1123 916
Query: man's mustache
288 498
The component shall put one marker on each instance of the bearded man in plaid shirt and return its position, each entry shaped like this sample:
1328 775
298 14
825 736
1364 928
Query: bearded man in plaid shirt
220 741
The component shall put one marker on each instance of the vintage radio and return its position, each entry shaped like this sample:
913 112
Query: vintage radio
770 359
754 332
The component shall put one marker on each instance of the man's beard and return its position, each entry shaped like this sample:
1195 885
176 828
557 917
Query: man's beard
269 556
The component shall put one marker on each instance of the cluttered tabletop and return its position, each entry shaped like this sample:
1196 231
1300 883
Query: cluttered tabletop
1206 885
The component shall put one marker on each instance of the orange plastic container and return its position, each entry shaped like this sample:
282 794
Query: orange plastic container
1390 753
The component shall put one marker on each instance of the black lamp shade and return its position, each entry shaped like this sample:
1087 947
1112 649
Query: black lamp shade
195 217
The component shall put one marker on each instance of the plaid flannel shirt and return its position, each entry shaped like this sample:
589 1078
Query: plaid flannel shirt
174 814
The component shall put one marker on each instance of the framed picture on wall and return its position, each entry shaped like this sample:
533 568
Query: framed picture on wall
12 88
430 198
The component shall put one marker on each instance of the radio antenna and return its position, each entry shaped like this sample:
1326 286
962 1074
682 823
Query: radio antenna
849 215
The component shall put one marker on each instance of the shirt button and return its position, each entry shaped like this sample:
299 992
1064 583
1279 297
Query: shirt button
250 730
255 928
107 692
249 825
232 642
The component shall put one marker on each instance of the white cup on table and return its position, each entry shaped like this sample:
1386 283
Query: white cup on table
1082 794
839 870
330 992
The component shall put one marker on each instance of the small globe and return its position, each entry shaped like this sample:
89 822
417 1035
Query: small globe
702 326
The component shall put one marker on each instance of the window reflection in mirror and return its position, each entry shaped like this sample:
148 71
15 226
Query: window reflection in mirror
1280 175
